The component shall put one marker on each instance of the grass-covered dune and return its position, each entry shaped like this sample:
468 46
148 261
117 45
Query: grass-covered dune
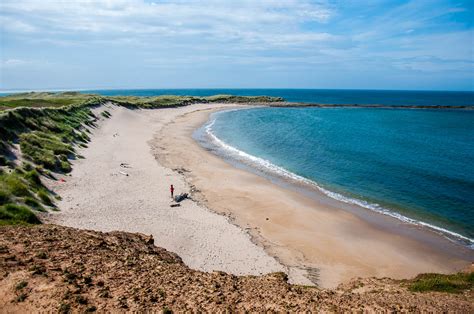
39 133
43 99
50 99
33 143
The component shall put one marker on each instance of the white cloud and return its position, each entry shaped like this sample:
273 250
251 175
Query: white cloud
239 20
117 36
14 63
15 25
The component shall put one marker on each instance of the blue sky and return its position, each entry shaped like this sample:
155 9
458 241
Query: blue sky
376 44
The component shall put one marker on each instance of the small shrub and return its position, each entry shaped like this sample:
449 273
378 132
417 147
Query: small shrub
38 270
167 310
43 195
21 285
21 297
4 197
81 299
13 183
33 203
42 255
15 214
104 294
65 166
88 280
3 161
454 283
27 166
70 277
106 114
33 177
65 308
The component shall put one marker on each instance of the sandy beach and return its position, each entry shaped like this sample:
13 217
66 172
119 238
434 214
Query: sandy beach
102 195
240 222
333 243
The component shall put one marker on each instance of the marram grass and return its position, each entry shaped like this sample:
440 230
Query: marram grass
453 283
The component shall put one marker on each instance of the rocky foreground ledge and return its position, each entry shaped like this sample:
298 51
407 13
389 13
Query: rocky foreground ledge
54 268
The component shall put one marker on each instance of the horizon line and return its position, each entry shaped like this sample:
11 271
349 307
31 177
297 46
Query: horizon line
26 90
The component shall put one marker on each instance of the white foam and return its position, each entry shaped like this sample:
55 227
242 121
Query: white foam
263 164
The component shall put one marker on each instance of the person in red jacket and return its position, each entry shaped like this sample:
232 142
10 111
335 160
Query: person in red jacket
172 190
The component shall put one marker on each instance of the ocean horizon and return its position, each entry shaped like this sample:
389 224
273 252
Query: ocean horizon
321 96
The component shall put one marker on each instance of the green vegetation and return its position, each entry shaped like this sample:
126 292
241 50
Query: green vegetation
167 311
105 114
16 214
21 285
166 101
42 255
46 127
46 138
242 99
56 100
43 99
64 308
454 283
21 191
22 297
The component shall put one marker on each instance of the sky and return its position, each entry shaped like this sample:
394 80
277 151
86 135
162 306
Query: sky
371 44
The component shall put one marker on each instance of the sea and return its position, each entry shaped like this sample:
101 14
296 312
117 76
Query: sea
415 165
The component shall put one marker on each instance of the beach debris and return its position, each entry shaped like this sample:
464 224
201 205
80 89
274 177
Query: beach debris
180 197
62 180
181 170
115 134
125 165
175 205
124 173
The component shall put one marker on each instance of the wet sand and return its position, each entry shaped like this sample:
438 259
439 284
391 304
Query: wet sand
333 242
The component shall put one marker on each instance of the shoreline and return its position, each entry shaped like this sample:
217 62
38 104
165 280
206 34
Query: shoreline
289 180
421 251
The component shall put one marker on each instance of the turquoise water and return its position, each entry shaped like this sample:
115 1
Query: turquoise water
415 165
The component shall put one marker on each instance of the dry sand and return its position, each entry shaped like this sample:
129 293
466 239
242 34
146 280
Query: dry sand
97 196
314 238
333 244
